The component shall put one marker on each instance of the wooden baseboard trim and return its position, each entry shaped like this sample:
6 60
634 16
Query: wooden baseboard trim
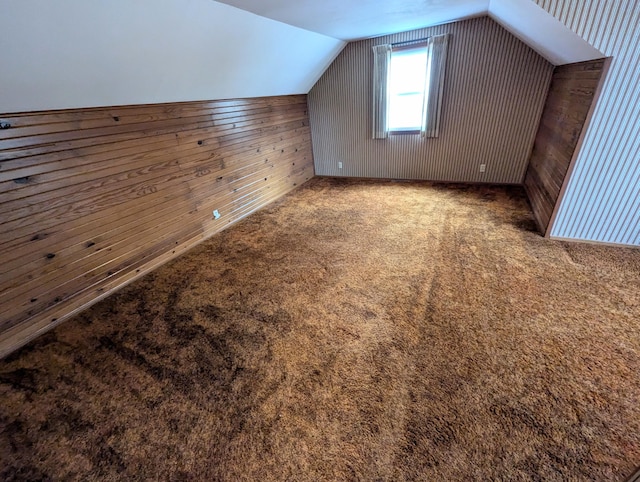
430 181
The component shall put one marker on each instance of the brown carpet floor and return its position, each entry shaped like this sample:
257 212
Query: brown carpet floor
354 330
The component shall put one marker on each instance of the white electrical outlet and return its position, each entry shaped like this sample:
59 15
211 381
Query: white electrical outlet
483 167
339 165
216 214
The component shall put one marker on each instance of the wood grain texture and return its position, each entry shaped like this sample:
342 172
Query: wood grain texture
566 112
602 201
91 199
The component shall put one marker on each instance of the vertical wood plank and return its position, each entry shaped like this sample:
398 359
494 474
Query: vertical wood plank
566 112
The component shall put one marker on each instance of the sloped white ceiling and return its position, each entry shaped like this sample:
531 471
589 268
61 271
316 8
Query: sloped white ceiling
79 53
358 19
542 32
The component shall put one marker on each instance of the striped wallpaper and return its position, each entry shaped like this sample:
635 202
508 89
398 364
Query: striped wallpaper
602 200
495 88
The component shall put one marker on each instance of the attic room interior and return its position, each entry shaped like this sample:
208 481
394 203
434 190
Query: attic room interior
339 240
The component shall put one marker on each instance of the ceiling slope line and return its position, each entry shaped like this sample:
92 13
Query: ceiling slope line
542 32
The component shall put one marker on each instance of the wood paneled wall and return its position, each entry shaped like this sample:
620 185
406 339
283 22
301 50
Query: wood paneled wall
91 199
602 201
494 91
569 102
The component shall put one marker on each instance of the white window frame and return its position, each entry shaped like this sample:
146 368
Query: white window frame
400 48
433 92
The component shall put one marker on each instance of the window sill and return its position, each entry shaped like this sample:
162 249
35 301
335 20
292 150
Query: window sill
405 133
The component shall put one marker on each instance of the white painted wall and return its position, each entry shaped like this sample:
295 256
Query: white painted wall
79 53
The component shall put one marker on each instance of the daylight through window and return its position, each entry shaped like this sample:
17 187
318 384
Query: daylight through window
407 85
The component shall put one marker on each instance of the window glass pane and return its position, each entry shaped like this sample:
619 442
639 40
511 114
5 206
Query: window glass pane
407 72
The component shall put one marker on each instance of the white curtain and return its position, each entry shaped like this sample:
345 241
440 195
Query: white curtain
436 62
381 60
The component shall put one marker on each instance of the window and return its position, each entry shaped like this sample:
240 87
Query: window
408 83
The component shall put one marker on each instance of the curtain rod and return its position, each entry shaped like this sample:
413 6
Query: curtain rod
409 42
